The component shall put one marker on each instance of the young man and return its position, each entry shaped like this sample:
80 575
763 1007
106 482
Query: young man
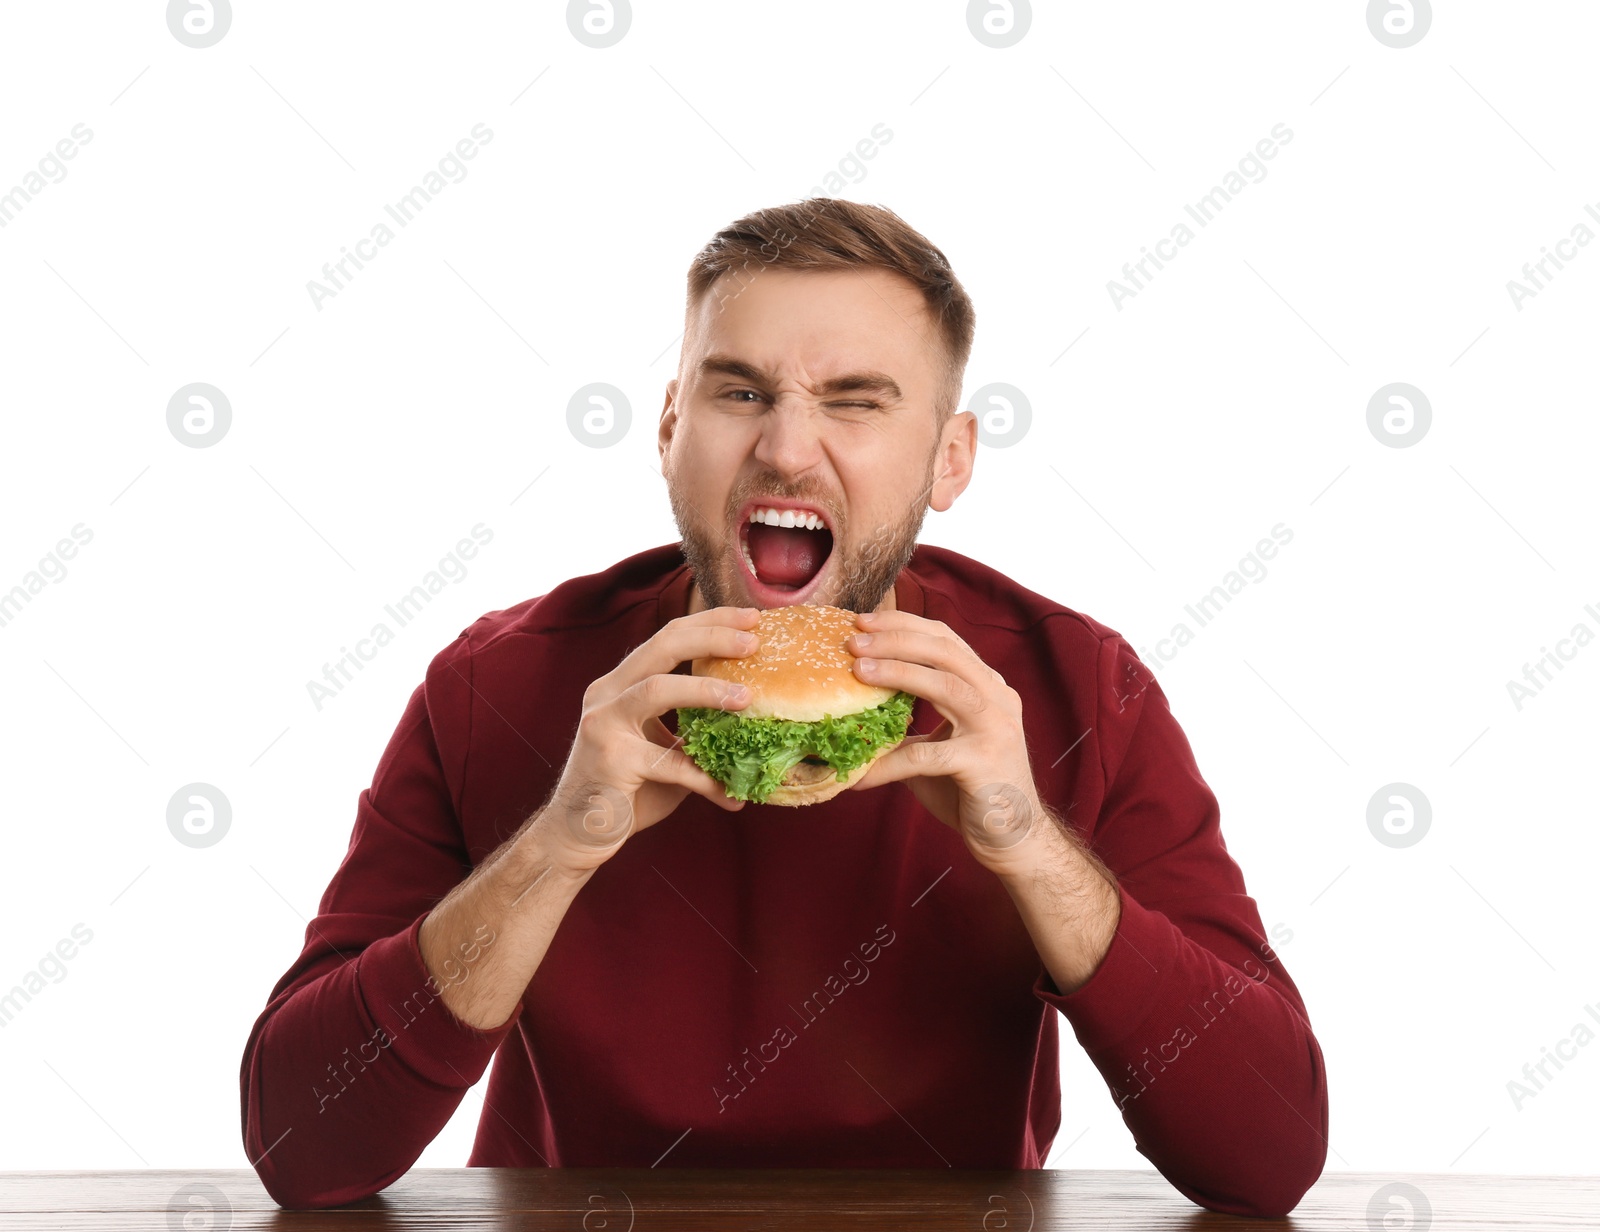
539 875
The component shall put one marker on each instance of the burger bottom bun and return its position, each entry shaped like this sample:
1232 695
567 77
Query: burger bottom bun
825 789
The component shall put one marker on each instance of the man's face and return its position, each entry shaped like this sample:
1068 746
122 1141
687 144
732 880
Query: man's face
808 391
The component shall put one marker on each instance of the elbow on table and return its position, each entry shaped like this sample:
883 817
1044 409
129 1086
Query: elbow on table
1271 1194
1288 1156
297 1189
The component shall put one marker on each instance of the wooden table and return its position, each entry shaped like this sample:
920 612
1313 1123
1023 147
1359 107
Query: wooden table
626 1199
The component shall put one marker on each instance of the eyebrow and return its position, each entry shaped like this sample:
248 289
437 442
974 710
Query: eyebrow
850 382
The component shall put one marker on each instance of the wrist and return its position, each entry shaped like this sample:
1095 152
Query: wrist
582 825
1069 901
1017 837
556 846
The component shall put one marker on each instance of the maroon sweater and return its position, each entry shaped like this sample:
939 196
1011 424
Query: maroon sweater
834 986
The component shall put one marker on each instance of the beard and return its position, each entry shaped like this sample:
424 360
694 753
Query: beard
865 565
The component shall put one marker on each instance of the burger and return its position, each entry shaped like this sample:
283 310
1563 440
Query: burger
811 728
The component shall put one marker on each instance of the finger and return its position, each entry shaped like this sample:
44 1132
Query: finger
655 695
955 697
925 765
672 765
656 732
883 771
713 633
949 654
873 622
904 760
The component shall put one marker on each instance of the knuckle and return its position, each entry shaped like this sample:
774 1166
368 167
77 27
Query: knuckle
589 724
969 695
650 688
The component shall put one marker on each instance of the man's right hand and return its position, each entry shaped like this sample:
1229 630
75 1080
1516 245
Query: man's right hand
626 771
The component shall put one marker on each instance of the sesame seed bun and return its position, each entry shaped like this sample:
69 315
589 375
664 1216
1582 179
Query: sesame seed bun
801 670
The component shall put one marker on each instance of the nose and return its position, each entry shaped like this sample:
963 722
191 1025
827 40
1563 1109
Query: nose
789 444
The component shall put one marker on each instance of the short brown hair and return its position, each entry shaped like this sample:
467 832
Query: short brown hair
823 233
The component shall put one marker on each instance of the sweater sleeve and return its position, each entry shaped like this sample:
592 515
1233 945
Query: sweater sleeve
356 1064
1191 1018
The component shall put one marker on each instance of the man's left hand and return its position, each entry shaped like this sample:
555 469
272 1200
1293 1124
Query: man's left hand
972 771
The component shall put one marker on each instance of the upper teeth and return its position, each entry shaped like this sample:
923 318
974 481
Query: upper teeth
787 517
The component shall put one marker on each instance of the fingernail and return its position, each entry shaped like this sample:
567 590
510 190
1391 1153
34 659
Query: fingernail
868 665
863 639
736 693
746 640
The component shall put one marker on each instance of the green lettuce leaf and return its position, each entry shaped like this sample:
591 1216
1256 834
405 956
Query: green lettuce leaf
751 756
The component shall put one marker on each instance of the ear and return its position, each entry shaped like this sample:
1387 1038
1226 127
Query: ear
669 420
958 444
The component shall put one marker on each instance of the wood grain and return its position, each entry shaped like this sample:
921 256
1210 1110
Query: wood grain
672 1199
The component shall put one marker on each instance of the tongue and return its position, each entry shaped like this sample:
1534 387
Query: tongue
787 556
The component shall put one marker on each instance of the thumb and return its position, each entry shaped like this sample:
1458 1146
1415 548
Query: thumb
892 766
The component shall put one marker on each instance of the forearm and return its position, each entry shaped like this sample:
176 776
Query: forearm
518 896
1067 899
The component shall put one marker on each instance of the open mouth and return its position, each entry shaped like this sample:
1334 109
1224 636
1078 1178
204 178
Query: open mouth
784 548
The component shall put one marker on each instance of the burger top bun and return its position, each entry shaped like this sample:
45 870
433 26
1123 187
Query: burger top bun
801 670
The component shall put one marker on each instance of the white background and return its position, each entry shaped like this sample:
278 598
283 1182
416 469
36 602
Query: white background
1228 396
